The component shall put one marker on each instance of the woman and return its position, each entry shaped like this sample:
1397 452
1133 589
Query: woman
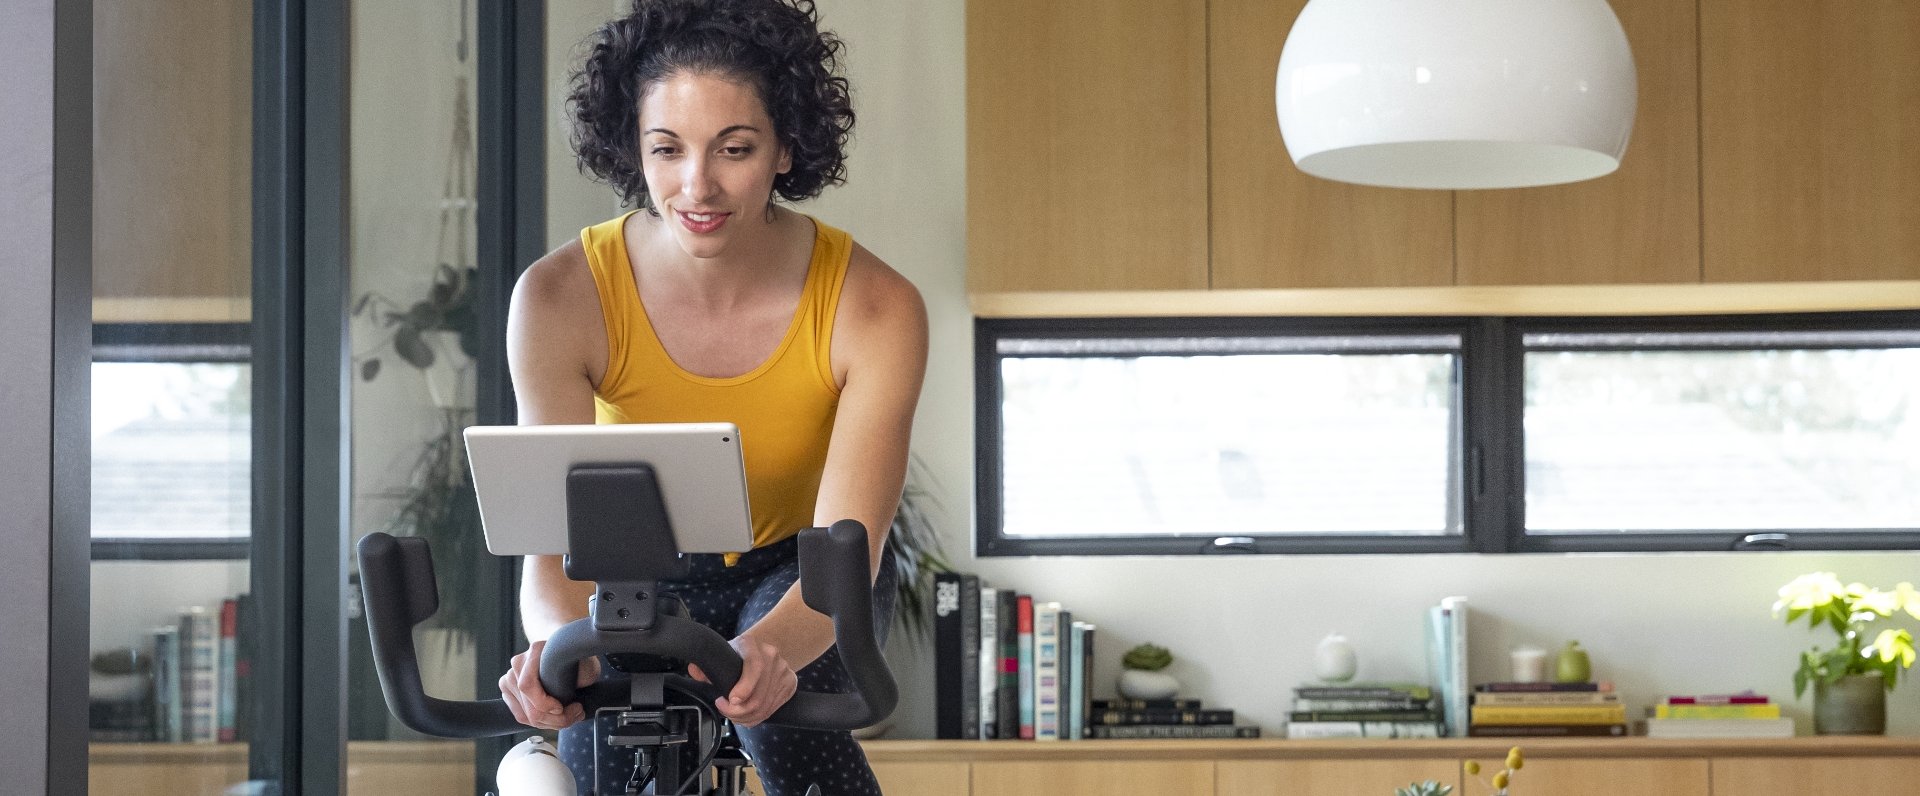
717 304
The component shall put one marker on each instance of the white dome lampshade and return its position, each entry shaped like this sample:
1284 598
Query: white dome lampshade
1456 94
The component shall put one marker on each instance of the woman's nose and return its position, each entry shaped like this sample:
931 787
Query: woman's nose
699 183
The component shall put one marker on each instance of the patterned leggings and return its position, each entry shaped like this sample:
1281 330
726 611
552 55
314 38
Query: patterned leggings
731 599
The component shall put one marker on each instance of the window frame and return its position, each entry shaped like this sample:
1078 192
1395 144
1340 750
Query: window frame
1491 462
224 343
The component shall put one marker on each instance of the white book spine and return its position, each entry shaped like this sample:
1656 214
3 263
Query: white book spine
1460 685
989 661
202 670
1046 671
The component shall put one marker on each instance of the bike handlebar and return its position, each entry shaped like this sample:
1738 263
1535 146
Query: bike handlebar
398 583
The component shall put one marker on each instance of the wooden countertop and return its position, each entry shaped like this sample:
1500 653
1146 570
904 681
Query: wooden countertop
887 751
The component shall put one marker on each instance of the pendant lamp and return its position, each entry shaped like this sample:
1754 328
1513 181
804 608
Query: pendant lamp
1456 94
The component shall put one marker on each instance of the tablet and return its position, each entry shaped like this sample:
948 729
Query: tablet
520 475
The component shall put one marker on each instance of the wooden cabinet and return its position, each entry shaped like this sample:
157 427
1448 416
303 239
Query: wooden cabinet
1093 778
1605 777
172 168
1640 224
1809 139
1272 225
924 779
1560 766
1330 777
1823 776
1086 145
1126 159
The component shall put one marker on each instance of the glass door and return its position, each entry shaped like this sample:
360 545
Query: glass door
170 641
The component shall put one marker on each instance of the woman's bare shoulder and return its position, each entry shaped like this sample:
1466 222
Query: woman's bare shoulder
555 318
559 279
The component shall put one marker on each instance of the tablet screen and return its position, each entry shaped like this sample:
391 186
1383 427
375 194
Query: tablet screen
520 475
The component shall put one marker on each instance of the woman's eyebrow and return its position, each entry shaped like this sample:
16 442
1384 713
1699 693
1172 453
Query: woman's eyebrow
729 131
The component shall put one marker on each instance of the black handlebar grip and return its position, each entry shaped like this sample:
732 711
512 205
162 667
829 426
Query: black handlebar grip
836 579
396 577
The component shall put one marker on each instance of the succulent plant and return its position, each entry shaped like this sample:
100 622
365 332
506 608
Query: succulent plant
1431 787
1147 658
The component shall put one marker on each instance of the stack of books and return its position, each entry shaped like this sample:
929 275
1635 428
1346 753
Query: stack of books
1163 718
1364 710
1007 665
1532 709
1743 715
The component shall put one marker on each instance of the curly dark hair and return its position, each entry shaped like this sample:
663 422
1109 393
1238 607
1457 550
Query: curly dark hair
774 45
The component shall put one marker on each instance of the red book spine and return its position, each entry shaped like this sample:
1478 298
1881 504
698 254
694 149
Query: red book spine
1023 622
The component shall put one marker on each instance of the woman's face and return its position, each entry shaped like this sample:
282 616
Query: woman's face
709 153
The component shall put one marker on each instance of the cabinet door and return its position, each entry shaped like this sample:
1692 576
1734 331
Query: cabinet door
1809 136
922 779
1601 777
1274 226
1331 777
1814 776
1086 145
1640 224
172 162
1094 778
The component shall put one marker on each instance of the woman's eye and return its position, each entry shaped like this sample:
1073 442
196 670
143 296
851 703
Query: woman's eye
737 151
660 151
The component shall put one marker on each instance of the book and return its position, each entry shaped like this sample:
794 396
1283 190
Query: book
200 674
1077 684
987 664
1064 677
1110 717
1720 728
948 657
1144 704
1363 691
1546 698
1544 730
1508 688
1748 698
1549 714
1427 716
1311 703
1175 731
1007 692
1744 711
1046 671
1023 624
970 657
168 719
1454 612
229 674
1307 730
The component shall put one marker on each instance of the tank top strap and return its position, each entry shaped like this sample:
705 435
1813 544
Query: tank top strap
606 249
826 276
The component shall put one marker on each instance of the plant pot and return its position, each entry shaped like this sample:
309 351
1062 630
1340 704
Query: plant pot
1853 705
1142 684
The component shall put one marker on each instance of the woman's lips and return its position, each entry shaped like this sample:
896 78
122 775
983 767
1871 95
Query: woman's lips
703 223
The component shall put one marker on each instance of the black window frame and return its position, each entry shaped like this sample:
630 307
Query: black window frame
1491 462
227 343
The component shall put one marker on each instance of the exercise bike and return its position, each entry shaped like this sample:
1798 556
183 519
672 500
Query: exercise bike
619 539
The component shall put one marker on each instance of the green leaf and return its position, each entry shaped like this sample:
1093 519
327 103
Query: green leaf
407 343
1800 680
370 369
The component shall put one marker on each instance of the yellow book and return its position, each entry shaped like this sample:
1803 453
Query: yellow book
1549 714
1766 711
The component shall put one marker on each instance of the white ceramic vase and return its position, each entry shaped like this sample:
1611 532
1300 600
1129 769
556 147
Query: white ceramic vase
1141 684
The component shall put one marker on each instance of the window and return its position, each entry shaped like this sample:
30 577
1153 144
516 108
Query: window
1439 435
172 441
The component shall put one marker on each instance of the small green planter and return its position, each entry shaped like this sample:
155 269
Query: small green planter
1853 705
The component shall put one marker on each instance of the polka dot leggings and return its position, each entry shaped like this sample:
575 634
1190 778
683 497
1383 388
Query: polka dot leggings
787 760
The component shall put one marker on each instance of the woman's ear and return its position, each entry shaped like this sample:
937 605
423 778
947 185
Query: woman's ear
786 160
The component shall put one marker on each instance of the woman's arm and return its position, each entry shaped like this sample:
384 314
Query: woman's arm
556 349
879 351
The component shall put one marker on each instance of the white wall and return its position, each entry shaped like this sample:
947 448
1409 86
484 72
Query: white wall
26 322
1244 628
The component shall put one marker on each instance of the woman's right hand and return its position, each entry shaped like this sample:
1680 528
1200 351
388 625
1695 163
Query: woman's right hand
530 702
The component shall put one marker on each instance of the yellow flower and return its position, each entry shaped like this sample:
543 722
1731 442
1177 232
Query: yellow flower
1809 591
1473 767
1889 645
1879 602
1500 780
1909 598
1514 759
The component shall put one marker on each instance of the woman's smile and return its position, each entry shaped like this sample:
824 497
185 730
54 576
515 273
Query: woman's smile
703 223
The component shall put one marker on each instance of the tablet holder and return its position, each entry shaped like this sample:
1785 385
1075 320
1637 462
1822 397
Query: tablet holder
620 538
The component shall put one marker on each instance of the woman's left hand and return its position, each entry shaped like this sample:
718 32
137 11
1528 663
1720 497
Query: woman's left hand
766 683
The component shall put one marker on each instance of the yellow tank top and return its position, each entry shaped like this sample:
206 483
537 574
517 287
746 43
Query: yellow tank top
784 407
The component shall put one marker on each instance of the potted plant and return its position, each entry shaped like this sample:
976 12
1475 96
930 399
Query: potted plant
1142 674
1850 680
1500 781
437 334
